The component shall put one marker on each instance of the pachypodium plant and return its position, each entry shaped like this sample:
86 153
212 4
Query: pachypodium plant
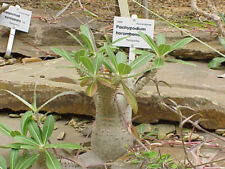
33 138
105 71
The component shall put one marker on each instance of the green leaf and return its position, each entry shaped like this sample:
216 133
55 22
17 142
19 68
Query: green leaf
13 145
130 98
55 97
112 56
164 49
26 140
13 158
151 154
90 37
3 164
140 52
24 122
78 54
121 57
85 81
114 42
75 38
91 89
63 53
87 64
158 62
141 60
35 132
108 65
64 146
155 166
180 43
98 61
29 147
180 61
47 128
87 42
20 99
68 57
15 133
124 69
106 82
27 162
160 39
149 41
222 41
216 62
51 161
5 130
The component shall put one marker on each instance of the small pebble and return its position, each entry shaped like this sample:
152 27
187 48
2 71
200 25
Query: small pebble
220 131
14 115
12 61
61 135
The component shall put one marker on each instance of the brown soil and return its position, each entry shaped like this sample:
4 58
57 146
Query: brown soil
175 10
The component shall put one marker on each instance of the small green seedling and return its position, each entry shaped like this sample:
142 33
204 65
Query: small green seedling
16 162
37 141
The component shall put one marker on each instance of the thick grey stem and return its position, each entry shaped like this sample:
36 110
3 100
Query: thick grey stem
110 136
144 80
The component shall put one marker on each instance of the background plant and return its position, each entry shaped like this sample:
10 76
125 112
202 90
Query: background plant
16 162
34 138
152 159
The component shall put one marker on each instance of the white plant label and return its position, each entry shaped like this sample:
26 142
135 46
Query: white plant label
129 27
16 18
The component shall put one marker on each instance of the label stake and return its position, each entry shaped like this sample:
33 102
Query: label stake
10 41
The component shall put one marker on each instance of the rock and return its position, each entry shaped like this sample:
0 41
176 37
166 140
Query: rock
196 87
220 131
72 122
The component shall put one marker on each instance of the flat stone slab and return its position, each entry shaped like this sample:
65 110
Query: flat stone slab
197 87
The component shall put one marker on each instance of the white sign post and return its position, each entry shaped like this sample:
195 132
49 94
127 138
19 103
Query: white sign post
15 18
129 27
